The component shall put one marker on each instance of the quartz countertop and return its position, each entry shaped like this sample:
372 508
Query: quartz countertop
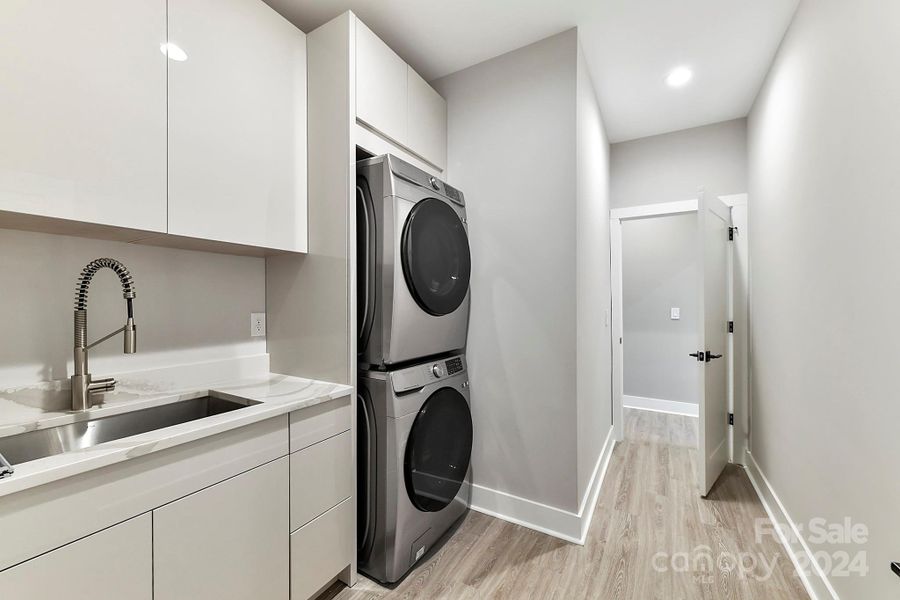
43 406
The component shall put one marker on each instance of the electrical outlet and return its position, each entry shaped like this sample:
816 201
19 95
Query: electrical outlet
257 324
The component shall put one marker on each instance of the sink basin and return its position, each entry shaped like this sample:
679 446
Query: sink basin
48 442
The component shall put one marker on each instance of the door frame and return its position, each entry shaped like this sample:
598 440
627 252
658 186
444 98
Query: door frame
616 217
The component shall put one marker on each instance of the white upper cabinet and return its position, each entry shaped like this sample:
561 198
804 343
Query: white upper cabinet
381 85
237 125
83 111
427 122
394 101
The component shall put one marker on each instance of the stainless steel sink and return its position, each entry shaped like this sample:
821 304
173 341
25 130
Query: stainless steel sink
48 442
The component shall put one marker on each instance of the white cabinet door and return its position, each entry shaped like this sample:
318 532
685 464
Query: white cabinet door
427 121
227 542
114 564
237 125
320 550
83 111
380 85
321 478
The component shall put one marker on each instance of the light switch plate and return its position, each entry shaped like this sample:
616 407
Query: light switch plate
675 313
257 324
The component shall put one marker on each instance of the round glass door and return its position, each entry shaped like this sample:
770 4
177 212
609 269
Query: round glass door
438 450
435 257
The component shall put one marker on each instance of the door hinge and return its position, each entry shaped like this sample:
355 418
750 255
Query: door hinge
731 418
731 232
730 326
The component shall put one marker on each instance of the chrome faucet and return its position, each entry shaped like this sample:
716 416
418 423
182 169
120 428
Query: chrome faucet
82 384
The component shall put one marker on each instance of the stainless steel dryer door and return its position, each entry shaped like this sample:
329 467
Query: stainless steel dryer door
434 251
429 288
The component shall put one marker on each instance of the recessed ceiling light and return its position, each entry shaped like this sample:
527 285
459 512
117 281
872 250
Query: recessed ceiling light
679 76
173 52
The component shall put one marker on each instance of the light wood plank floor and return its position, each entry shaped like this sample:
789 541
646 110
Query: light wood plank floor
648 512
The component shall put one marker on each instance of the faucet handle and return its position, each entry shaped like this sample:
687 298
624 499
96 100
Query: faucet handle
103 384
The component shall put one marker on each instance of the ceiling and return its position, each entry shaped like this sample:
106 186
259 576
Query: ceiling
630 46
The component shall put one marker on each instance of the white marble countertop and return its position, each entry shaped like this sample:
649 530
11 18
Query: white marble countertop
43 406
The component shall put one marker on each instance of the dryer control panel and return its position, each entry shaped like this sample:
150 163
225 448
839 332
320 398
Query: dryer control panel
421 375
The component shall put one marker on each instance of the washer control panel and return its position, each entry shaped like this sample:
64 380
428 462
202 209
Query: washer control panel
421 375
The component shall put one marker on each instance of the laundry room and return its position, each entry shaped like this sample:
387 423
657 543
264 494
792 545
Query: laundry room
357 300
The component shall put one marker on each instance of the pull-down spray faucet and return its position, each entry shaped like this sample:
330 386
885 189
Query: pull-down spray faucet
82 384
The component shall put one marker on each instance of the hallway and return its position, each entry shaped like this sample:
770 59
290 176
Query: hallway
650 538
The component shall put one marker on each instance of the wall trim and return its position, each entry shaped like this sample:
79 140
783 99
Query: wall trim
674 407
655 210
563 524
817 585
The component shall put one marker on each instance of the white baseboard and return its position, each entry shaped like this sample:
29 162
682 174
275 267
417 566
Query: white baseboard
665 406
550 520
817 585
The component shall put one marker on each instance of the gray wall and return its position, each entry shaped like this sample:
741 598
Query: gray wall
659 271
513 150
594 353
190 306
824 185
670 167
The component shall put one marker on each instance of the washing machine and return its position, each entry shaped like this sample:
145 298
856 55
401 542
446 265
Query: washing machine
413 453
413 264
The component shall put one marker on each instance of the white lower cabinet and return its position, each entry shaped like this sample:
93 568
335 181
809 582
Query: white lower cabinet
320 550
113 564
227 542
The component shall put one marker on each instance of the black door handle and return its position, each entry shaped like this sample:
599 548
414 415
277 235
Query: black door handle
697 355
710 356
895 567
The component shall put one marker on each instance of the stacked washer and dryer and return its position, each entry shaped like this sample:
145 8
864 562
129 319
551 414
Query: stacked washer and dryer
414 421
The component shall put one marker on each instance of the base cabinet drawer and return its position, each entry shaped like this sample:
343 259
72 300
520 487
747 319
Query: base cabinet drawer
320 550
113 564
227 542
316 423
321 477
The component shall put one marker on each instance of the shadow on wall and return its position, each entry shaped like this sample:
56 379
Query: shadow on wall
189 306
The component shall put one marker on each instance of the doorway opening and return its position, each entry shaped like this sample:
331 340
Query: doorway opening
676 360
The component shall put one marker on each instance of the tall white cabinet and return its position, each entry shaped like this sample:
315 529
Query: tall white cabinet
237 125
83 111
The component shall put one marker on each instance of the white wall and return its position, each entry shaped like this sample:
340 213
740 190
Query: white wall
824 185
527 146
659 271
190 306
670 167
594 353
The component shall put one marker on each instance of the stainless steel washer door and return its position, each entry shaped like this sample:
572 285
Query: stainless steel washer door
438 450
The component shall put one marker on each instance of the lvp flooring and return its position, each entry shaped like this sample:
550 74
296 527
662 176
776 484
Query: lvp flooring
652 537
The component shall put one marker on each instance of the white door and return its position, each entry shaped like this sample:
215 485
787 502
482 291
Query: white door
714 221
